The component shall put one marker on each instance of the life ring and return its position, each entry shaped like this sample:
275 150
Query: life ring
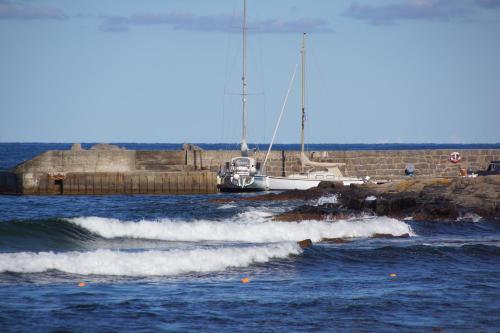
455 157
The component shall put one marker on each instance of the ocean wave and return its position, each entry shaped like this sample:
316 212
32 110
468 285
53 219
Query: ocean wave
26 233
245 230
145 263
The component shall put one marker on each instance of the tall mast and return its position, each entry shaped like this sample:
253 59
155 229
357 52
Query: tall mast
303 52
244 146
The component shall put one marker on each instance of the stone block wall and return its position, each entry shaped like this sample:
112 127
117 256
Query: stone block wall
373 163
167 160
62 161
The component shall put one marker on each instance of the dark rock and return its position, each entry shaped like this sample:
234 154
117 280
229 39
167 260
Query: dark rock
319 213
335 240
305 243
370 204
328 186
353 202
390 236
287 195
437 210
395 203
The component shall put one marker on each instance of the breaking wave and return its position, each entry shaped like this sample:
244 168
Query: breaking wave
146 263
254 231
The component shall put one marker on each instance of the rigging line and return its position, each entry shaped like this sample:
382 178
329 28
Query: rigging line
280 116
264 117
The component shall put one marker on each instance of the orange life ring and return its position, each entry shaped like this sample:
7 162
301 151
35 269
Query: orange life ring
455 157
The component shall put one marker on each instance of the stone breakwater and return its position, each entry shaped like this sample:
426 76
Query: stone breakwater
373 163
108 169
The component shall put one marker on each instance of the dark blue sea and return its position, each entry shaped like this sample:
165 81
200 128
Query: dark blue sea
176 263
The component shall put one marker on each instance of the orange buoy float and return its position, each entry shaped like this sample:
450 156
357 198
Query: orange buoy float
245 280
82 284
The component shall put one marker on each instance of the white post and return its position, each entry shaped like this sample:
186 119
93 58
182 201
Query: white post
303 98
244 146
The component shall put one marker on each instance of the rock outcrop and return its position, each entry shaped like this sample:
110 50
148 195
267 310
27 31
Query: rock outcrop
430 199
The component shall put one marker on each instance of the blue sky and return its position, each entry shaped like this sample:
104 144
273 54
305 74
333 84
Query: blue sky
407 71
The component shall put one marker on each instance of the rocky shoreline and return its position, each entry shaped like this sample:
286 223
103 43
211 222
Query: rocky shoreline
413 198
429 199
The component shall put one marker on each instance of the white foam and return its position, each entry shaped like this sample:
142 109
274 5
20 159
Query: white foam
255 215
259 230
469 217
174 262
326 199
226 206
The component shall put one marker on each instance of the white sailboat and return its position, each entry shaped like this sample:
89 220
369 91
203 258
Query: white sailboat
240 174
308 178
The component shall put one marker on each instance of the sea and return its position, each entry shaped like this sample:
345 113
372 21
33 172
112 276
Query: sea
189 263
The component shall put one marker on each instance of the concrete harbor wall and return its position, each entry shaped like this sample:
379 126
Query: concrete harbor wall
108 169
124 183
95 183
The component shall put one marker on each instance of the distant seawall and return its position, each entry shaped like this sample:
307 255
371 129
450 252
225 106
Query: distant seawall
108 169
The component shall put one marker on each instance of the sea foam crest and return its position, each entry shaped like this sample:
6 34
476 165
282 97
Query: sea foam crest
173 262
226 206
253 231
326 199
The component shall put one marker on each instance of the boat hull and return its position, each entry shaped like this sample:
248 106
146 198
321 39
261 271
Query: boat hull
260 183
285 183
305 183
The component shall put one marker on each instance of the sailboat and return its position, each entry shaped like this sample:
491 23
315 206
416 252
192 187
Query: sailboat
308 178
241 173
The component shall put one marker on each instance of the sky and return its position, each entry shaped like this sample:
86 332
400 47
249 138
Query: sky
388 71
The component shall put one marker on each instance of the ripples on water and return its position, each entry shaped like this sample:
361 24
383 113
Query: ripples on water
174 263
